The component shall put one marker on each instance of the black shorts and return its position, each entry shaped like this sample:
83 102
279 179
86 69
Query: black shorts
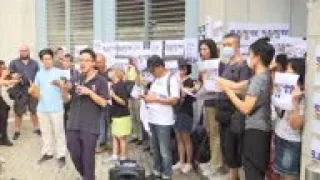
22 105
231 147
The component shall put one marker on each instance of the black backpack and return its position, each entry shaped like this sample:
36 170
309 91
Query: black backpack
129 86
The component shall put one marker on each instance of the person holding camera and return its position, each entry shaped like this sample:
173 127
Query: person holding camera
50 108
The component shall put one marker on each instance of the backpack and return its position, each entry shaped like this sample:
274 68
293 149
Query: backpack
129 86
176 106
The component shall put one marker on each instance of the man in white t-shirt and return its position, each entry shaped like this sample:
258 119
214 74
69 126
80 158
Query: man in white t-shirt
163 95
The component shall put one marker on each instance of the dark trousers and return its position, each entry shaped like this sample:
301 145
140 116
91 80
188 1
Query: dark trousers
82 151
256 150
4 114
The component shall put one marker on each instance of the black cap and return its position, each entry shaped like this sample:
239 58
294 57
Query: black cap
154 61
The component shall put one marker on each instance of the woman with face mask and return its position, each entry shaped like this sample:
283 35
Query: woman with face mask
256 106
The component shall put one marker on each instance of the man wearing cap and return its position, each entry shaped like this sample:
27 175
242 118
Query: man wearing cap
162 96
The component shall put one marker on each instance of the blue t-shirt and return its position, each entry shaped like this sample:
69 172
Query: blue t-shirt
50 96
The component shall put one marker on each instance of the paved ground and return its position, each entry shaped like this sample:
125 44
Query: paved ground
21 161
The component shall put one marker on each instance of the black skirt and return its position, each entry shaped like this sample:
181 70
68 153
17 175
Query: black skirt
184 122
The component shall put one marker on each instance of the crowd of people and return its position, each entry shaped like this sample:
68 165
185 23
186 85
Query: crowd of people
87 110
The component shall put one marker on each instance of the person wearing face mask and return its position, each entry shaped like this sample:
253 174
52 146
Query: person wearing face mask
209 50
256 106
236 70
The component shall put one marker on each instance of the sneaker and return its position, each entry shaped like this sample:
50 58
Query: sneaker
177 166
209 172
16 135
110 160
186 168
205 167
44 158
37 131
61 162
165 177
6 142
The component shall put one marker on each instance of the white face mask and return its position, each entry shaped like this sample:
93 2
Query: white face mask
228 52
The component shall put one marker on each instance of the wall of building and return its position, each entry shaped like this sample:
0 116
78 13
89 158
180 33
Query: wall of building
293 12
17 22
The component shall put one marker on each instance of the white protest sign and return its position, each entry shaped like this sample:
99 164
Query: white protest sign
98 46
156 47
128 48
77 49
316 104
172 65
141 64
315 148
211 69
250 32
109 49
284 85
294 47
317 55
121 64
174 48
191 50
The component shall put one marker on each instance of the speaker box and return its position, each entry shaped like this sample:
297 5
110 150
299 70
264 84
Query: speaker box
127 170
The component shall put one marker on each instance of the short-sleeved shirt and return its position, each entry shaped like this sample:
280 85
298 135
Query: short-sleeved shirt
283 128
85 114
186 105
235 72
118 110
28 70
260 87
161 114
50 100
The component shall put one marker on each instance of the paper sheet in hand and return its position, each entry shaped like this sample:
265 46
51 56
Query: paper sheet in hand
210 86
66 74
208 64
136 91
144 116
284 85
172 65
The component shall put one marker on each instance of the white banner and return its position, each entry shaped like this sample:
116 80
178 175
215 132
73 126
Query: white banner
250 32
126 48
174 48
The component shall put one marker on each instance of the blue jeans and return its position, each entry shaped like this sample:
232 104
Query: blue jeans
104 121
161 145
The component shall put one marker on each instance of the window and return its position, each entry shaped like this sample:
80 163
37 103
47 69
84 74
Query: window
56 23
81 23
130 19
167 19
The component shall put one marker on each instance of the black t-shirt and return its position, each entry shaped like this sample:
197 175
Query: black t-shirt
186 105
85 114
118 110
